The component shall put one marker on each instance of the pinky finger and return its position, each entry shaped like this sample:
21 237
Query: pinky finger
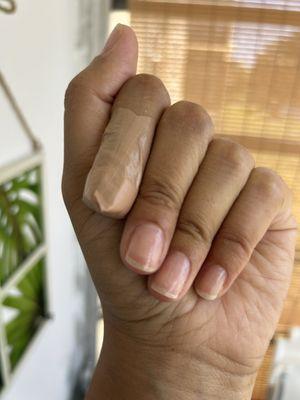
263 201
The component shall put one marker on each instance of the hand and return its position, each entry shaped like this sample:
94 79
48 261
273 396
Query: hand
225 227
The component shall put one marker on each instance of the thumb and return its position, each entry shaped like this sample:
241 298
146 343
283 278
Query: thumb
115 65
87 106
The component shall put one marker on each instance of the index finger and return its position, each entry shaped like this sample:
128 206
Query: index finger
88 104
114 179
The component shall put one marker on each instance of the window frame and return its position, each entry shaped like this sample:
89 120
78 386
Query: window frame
8 173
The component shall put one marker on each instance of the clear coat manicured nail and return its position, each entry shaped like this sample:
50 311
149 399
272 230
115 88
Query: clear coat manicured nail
212 282
171 278
145 248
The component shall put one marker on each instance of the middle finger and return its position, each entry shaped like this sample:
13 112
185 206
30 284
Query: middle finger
180 144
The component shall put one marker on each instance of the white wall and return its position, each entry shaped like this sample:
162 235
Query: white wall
38 56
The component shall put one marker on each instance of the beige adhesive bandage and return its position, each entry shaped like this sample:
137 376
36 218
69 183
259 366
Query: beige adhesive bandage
113 181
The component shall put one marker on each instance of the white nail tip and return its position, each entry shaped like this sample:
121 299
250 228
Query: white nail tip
137 265
164 292
207 296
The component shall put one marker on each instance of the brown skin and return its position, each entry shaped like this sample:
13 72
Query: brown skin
214 206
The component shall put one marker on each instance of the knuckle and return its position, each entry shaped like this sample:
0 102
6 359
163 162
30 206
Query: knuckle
74 92
187 109
268 183
234 153
238 242
196 229
148 83
193 114
161 193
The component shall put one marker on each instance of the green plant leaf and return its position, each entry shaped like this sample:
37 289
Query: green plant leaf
22 320
29 304
21 303
19 348
21 228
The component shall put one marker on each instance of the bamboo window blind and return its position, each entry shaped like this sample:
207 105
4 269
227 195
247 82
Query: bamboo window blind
241 61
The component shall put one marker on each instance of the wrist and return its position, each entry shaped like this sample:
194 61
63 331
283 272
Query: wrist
131 370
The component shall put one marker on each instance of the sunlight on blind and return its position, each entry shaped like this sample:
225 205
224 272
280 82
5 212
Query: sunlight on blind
241 61
292 5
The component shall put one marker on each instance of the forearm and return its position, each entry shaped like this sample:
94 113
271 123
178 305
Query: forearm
131 371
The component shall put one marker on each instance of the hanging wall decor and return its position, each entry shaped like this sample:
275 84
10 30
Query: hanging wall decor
23 307
8 6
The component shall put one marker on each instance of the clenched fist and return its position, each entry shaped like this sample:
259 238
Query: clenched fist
190 245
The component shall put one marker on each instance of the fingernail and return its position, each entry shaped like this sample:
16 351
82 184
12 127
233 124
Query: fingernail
145 248
172 276
117 197
212 282
113 37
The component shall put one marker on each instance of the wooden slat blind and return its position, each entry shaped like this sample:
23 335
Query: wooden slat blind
241 61
273 5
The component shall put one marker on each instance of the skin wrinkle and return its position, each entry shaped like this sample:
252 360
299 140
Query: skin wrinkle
256 303
161 330
96 235
268 242
236 365
191 358
228 375
157 306
259 281
258 306
260 310
186 332
81 86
